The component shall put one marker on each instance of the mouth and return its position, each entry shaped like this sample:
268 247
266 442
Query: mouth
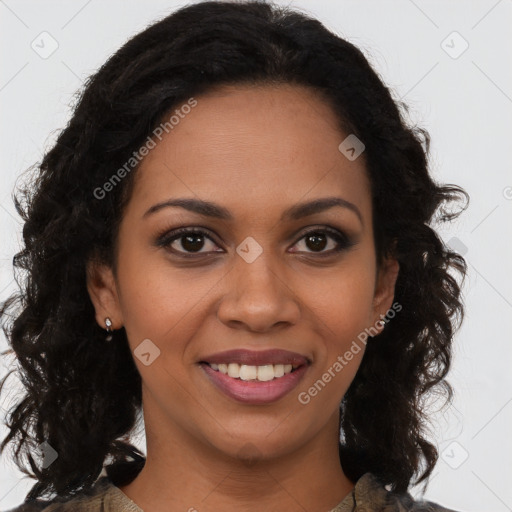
255 377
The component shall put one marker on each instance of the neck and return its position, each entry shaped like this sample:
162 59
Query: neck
183 473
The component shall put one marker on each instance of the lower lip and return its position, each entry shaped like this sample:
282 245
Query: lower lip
255 392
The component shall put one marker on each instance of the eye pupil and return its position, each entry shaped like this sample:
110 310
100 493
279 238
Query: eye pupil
319 241
193 242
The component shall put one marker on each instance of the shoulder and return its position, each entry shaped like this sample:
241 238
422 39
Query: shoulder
370 494
86 501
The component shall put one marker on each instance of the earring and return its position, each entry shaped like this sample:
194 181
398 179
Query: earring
108 324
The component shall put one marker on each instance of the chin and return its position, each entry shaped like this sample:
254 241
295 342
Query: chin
253 449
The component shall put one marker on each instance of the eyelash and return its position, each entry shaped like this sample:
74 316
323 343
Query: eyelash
167 238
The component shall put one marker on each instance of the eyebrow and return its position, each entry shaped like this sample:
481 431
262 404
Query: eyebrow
295 212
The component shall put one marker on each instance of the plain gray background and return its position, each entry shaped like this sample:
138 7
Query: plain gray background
450 61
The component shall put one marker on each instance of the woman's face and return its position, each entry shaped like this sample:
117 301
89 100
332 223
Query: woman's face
255 280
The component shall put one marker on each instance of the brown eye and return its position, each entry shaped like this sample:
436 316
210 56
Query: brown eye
186 241
316 241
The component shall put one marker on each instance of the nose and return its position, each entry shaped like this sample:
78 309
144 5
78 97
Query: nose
256 297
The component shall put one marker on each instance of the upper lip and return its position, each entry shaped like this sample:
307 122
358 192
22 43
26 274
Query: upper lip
257 358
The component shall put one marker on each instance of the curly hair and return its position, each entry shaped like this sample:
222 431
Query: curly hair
83 397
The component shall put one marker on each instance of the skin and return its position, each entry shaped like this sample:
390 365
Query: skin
255 151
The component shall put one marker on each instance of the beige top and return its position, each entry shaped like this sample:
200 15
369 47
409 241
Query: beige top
368 495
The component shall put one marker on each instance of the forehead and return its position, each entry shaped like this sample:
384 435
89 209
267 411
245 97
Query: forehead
258 146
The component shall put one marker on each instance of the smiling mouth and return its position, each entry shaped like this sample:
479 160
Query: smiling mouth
262 373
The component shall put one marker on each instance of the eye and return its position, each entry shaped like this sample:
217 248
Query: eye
188 242
318 239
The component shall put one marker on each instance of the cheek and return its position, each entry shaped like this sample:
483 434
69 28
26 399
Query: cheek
342 300
161 303
351 304
150 305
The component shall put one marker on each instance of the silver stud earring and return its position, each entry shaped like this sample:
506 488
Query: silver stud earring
108 324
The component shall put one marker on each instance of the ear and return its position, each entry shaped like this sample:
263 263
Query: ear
384 290
102 290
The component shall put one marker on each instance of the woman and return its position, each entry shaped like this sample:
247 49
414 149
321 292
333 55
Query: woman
232 235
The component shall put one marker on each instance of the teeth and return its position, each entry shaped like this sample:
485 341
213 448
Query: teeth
278 370
246 372
233 370
264 372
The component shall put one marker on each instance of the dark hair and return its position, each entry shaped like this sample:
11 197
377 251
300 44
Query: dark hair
82 396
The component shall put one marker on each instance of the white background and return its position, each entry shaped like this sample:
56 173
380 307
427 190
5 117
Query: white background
464 102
